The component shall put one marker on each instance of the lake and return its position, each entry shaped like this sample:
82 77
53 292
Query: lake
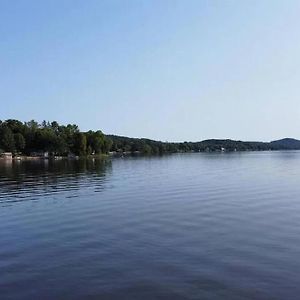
183 226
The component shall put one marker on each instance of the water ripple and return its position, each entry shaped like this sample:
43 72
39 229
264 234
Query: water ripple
186 226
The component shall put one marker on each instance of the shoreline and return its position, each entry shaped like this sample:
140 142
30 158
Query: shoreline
124 154
25 157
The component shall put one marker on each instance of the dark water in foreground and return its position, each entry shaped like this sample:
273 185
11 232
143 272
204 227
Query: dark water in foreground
191 226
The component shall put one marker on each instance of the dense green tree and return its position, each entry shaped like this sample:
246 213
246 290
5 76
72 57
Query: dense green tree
95 142
7 141
80 145
32 125
55 126
19 141
15 126
146 149
107 145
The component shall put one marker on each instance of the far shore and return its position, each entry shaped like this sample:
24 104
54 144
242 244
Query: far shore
113 154
28 157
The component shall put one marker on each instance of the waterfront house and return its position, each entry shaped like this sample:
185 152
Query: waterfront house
6 155
40 154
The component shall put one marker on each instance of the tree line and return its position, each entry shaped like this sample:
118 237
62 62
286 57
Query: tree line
27 137
147 146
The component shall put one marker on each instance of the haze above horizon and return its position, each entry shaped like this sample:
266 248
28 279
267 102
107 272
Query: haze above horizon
165 70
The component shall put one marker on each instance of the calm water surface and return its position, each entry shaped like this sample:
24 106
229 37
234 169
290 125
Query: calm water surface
190 226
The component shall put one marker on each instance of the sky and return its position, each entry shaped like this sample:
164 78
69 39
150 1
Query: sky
169 70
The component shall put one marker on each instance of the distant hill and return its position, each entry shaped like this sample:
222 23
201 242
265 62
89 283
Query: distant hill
212 145
287 143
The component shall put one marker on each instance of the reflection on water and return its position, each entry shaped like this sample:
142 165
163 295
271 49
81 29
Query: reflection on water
32 179
187 226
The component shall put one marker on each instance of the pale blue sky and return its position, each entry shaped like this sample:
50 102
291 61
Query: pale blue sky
168 70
